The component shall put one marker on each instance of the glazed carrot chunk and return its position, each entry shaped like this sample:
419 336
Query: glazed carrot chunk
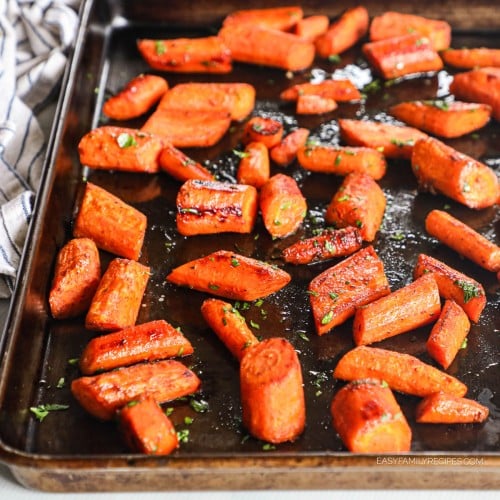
264 130
180 166
278 18
338 90
314 105
464 58
311 27
286 151
254 165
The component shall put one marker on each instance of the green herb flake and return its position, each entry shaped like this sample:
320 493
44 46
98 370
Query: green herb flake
440 104
160 48
475 136
334 58
188 420
235 262
372 86
337 161
268 447
469 289
125 140
132 403
397 236
319 378
180 352
464 344
312 292
259 302
401 144
344 197
255 325
73 361
333 295
41 411
241 154
327 318
302 334
359 224
384 384
213 286
61 383
169 411
183 435
258 127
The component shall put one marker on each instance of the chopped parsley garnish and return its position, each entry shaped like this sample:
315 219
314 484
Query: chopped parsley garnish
327 318
41 411
400 144
397 236
169 411
345 197
302 335
235 262
160 47
255 325
241 154
60 383
188 420
268 447
183 435
470 290
334 58
125 140
440 104
333 295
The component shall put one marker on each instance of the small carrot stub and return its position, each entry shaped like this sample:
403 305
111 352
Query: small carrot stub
102 395
338 90
442 408
329 244
76 277
441 168
119 148
278 18
403 372
272 395
311 27
176 163
368 418
209 207
147 342
286 151
254 168
282 205
359 202
187 55
230 275
229 325
136 98
118 297
472 58
463 239
336 292
315 105
264 130
452 284
114 225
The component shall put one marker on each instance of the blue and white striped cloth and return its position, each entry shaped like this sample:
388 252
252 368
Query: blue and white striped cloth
34 39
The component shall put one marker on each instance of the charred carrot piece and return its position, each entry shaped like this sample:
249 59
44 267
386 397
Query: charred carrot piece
230 275
472 58
229 325
368 418
311 27
463 239
102 395
118 297
254 166
147 342
315 105
264 130
114 225
208 207
343 33
147 428
278 18
454 285
336 292
181 167
118 148
327 245
439 167
187 55
338 90
286 151
282 205
136 98
272 395
442 408
76 277
402 55
358 202
339 160
403 372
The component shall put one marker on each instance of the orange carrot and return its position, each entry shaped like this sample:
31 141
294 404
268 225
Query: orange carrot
311 27
147 342
327 245
439 167
472 58
207 207
114 225
358 202
368 418
278 18
254 165
282 205
76 276
265 130
230 275
452 284
229 325
286 151
118 297
102 395
314 105
463 239
136 98
272 395
180 166
338 90
337 291
403 372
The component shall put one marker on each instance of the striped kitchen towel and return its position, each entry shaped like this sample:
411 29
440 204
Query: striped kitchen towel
34 40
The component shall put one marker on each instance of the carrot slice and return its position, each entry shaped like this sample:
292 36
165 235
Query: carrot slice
254 165
278 18
338 90
265 130
471 58
311 27
272 395
286 151
181 167
315 105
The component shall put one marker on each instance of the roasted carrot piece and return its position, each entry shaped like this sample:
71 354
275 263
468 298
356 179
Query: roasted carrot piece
343 33
338 90
452 284
393 141
278 18
147 342
102 395
229 325
358 202
368 418
114 225
272 395
442 408
311 27
119 148
136 98
391 24
402 55
286 151
314 105
181 167
147 428
187 55
341 160
118 297
265 130
403 372
327 245
336 292
230 275
463 239
254 166
76 277
207 207
282 205
439 167
472 58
